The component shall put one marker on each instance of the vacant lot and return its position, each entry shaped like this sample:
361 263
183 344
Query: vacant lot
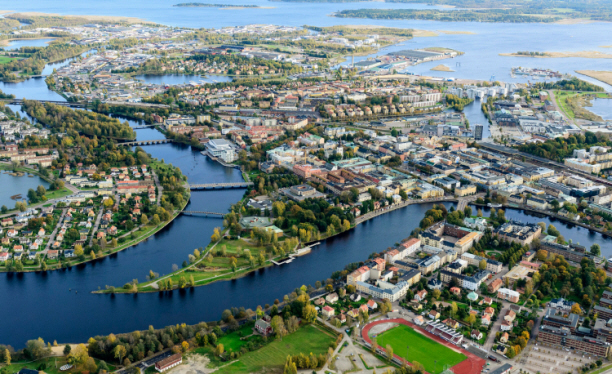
272 357
416 347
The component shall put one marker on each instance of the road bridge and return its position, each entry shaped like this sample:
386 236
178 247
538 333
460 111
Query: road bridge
63 103
198 212
145 142
219 186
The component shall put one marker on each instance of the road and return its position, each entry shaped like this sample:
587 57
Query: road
54 233
96 225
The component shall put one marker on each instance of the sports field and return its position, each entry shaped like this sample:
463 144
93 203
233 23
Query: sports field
272 357
407 343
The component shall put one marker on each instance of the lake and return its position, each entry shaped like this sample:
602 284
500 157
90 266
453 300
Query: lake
13 185
18 43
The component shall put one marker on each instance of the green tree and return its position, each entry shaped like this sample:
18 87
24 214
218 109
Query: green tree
595 250
119 352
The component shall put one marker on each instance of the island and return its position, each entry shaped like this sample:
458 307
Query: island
206 5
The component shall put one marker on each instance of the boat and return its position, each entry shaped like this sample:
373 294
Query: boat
494 205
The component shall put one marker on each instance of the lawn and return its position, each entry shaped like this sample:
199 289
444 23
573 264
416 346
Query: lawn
416 347
232 342
273 356
58 193
5 60
52 365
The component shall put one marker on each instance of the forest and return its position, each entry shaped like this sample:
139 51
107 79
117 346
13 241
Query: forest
559 148
61 119
497 15
573 84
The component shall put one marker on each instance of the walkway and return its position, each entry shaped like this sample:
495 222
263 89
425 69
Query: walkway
54 232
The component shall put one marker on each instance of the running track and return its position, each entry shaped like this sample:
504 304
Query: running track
472 365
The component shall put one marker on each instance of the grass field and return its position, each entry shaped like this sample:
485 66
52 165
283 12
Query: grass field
6 60
410 344
272 357
52 366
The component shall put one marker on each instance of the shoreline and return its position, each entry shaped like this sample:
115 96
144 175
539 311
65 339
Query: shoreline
579 54
120 248
243 272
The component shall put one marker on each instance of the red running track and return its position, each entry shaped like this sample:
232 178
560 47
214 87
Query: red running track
471 365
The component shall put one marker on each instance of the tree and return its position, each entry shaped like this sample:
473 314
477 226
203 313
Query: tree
119 352
79 355
67 349
595 250
219 350
78 250
278 326
216 235
389 350
36 349
454 308
309 313
184 346
482 265
108 203
155 221
436 293
7 357
576 309
144 219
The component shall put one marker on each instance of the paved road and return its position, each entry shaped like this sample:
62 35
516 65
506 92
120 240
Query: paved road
55 230
97 224
160 189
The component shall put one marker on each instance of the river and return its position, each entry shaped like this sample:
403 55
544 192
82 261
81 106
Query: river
59 305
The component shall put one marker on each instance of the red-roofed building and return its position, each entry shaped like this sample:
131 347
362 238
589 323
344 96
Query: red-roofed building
328 311
169 363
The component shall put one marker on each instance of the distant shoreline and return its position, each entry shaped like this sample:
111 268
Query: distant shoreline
224 6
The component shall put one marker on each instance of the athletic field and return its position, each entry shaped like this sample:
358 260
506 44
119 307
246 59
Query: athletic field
411 345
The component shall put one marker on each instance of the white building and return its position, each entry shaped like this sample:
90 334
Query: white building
223 149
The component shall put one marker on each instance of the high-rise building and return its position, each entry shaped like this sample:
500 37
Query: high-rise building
478 129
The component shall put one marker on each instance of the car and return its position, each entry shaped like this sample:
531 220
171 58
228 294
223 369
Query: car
493 358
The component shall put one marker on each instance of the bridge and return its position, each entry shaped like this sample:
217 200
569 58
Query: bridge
143 127
145 142
63 103
192 212
219 186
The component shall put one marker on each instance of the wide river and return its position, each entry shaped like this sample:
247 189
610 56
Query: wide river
60 306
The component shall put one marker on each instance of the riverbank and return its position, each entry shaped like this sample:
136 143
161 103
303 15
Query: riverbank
202 277
579 54
550 214
602 76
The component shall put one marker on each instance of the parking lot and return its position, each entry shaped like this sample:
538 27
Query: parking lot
544 359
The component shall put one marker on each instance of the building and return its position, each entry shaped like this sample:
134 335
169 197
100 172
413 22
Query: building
328 311
474 260
559 318
508 294
169 362
223 149
263 326
562 337
495 285
518 232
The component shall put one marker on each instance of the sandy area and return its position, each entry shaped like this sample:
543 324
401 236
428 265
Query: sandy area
89 18
603 76
424 33
581 54
379 329
5 11
573 21
441 68
194 364
456 32
605 46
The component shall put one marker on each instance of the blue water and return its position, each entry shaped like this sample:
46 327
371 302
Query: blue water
13 185
602 107
18 43
48 305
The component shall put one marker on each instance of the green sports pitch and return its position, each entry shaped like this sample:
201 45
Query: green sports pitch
407 343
